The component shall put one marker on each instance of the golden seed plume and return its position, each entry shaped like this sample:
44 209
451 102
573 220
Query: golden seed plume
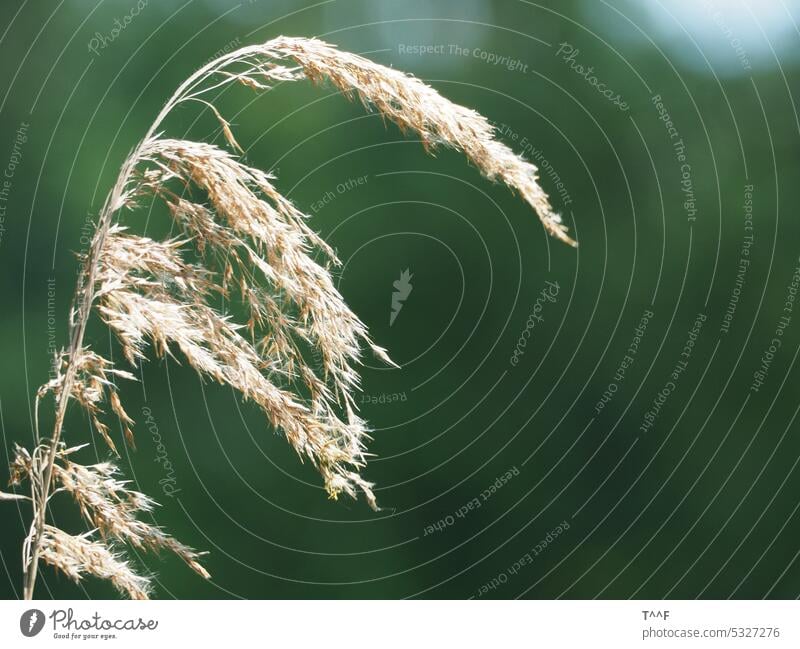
244 249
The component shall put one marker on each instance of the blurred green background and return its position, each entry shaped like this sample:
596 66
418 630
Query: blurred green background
703 502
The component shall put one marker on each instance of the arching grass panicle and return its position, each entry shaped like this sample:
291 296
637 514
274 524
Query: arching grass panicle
244 294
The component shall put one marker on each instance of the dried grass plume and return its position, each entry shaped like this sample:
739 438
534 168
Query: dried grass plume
241 242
